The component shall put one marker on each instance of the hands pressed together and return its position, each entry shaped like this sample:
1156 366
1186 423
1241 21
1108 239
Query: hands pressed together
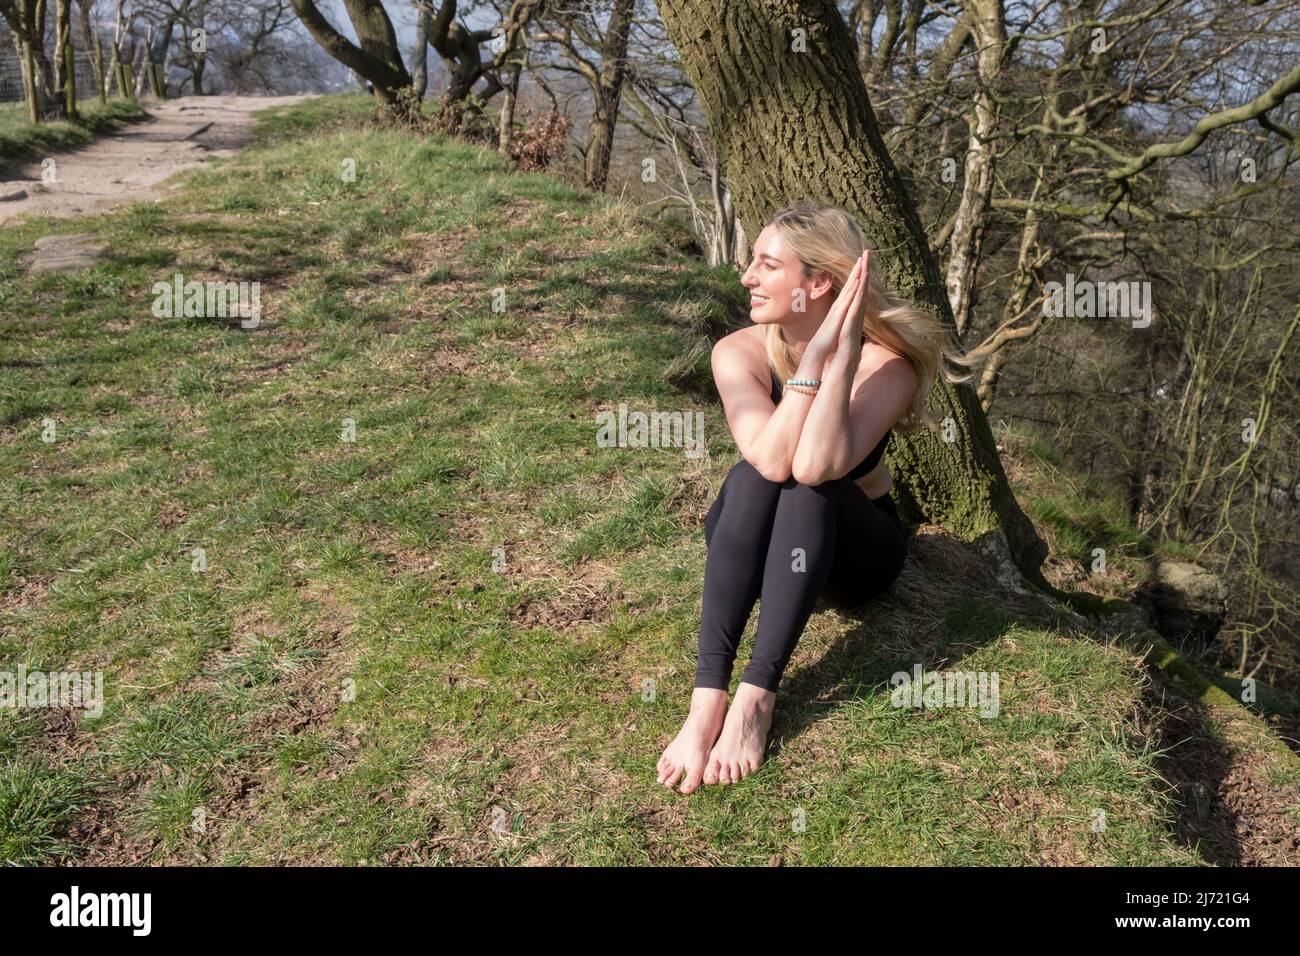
839 340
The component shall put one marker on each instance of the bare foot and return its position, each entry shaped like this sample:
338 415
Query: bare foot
740 747
690 751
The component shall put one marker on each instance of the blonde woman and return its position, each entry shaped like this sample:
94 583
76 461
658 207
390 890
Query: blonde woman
805 517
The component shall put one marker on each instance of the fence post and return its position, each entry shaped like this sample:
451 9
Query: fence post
30 87
157 81
101 83
69 74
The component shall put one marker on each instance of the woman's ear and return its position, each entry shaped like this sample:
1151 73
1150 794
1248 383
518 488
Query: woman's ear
823 284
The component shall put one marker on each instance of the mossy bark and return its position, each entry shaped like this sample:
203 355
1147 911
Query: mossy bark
791 119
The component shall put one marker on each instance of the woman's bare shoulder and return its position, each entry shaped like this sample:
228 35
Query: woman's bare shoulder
883 367
744 346
876 356
748 338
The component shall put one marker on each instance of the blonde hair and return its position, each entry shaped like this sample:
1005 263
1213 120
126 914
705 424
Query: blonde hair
826 238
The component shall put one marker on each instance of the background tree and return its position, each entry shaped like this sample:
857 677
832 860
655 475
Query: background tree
93 42
123 40
600 57
420 57
460 107
258 44
27 23
64 58
376 59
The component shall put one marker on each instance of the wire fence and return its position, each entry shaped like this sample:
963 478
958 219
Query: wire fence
11 76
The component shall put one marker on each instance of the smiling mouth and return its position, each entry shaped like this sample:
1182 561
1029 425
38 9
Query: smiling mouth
756 301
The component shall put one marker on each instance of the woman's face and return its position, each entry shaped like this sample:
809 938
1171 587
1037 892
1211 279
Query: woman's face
774 277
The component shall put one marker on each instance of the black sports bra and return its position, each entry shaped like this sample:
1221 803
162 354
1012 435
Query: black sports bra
865 465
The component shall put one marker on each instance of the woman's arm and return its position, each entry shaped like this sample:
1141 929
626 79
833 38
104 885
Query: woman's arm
840 429
767 439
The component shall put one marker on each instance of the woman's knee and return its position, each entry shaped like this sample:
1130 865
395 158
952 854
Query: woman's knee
744 497
746 488
745 475
746 491
826 496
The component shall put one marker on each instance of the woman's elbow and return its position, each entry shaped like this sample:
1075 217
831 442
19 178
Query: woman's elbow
772 471
811 478
803 475
815 474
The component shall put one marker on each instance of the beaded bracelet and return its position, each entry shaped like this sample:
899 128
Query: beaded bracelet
803 381
802 389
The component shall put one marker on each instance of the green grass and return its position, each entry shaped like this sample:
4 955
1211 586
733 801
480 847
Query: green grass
22 140
37 803
467 635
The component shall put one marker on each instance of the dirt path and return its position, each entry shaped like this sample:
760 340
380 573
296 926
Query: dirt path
131 164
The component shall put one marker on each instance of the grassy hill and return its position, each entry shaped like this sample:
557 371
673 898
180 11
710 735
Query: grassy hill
466 636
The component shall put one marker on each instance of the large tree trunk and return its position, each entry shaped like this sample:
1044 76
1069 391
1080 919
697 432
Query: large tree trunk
459 48
120 67
794 123
604 118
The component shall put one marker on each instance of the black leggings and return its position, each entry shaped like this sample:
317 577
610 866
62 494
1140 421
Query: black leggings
852 549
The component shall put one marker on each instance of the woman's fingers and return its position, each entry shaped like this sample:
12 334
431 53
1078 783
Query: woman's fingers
847 303
855 279
848 290
851 330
